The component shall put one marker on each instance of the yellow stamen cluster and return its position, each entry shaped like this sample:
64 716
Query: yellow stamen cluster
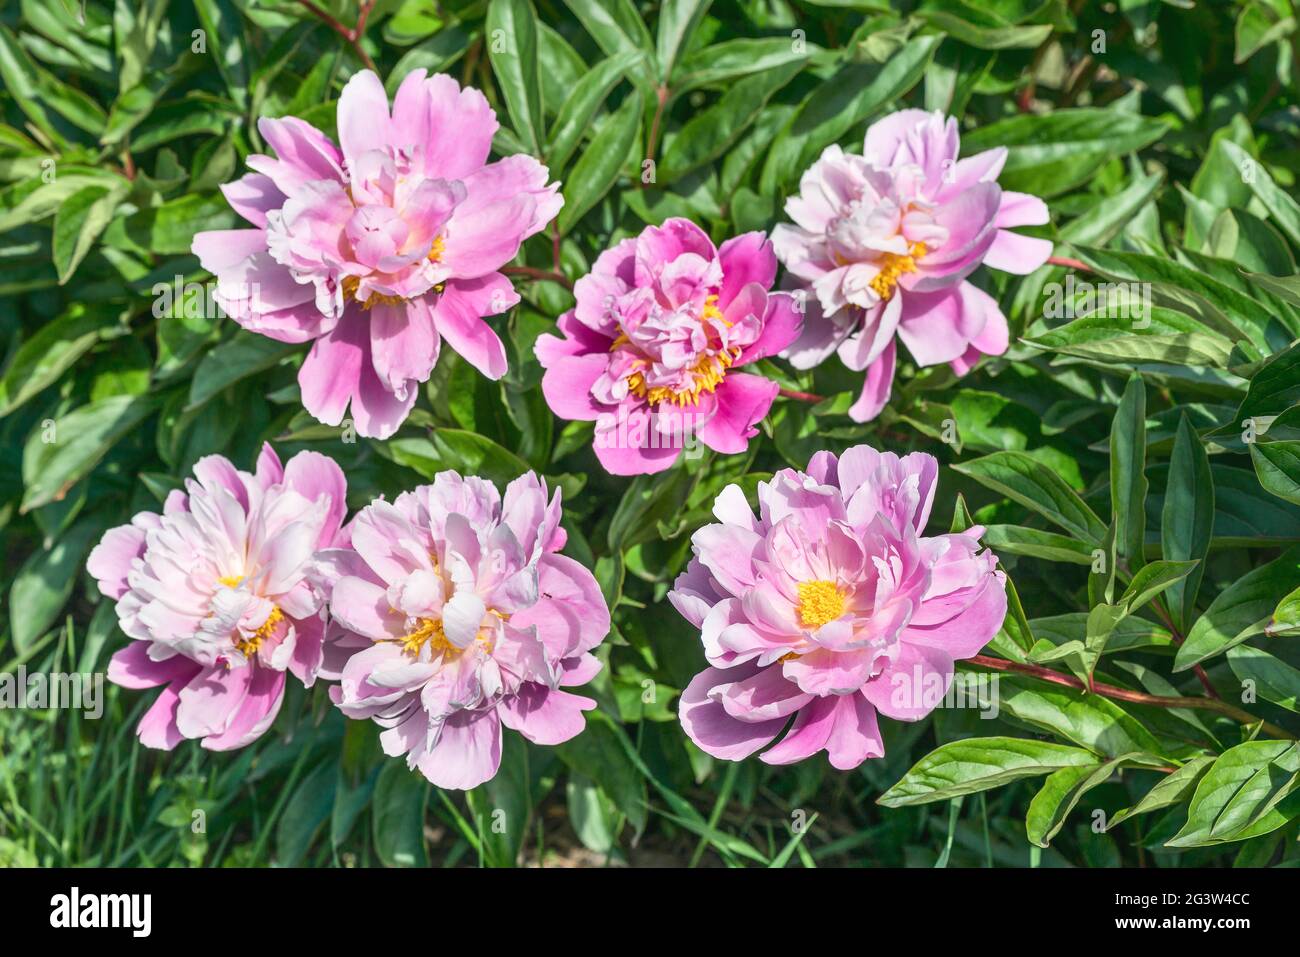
706 375
352 283
893 266
819 602
430 630
248 646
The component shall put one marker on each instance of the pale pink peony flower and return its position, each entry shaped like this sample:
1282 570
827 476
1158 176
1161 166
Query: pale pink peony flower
886 241
652 349
378 251
829 607
214 592
455 616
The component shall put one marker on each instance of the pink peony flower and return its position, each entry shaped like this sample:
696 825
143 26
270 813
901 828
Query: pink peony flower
215 595
886 241
457 616
651 350
377 251
829 607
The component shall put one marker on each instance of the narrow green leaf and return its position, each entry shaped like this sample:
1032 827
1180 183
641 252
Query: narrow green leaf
1187 519
1243 609
1128 482
512 48
1025 480
588 94
602 161
978 764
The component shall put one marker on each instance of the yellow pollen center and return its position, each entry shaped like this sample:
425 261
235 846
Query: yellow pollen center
430 630
706 375
819 602
248 646
231 581
892 267
351 284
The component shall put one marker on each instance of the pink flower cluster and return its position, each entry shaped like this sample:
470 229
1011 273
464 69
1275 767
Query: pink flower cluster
378 249
651 351
828 607
887 239
443 615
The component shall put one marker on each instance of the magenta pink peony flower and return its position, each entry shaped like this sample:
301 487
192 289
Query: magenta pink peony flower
651 350
830 607
377 251
215 593
886 241
457 616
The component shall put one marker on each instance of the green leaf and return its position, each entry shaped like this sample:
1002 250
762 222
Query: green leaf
44 583
54 349
649 499
239 357
1258 25
1286 617
1128 482
226 43
77 224
1171 790
1059 795
588 94
1274 387
617 27
978 764
1274 680
305 814
1151 580
1239 796
977 27
1036 543
60 454
843 101
514 62
710 133
1025 480
1088 720
598 754
1278 466
1219 307
1284 210
502 805
725 61
1187 519
466 452
677 21
1053 152
397 816
599 166
1241 610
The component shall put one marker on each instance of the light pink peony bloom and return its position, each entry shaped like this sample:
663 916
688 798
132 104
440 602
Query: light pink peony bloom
886 241
215 593
457 616
829 607
378 251
651 350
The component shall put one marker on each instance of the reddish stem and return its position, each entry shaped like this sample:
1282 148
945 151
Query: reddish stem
1136 697
351 34
801 396
543 275
1165 617
1069 263
661 94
